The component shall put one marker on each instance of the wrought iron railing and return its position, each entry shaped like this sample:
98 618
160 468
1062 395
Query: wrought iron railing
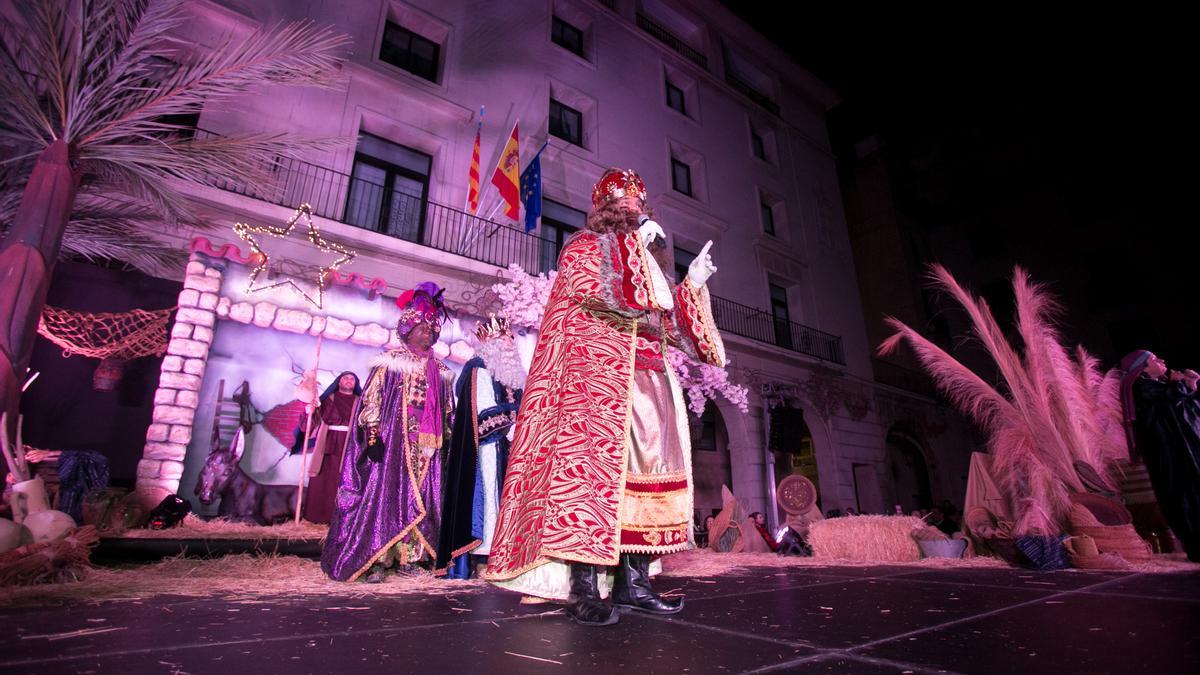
669 39
751 93
397 213
411 217
759 324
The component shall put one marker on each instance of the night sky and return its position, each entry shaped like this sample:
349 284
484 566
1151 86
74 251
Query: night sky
1050 136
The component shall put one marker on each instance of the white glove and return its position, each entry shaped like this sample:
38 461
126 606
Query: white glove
649 230
702 267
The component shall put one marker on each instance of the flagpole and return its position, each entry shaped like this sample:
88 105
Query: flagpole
471 235
478 136
308 432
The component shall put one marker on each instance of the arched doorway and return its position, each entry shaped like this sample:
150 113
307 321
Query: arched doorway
791 441
909 471
711 465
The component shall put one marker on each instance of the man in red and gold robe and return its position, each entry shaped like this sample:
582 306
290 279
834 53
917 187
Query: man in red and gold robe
600 468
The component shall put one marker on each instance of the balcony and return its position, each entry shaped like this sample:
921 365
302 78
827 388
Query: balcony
758 324
361 203
353 201
669 39
751 93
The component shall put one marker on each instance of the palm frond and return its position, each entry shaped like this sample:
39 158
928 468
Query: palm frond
103 237
988 333
293 54
115 30
1060 404
109 227
248 161
48 44
22 112
1057 408
142 185
961 385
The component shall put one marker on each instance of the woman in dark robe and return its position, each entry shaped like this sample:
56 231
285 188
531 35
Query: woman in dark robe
325 463
1162 424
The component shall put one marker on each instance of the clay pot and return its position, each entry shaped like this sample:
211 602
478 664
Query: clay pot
13 535
28 496
49 525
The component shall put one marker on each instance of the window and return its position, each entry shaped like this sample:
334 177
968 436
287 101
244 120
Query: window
558 224
405 49
388 188
768 216
779 315
683 259
566 123
758 145
681 177
566 36
676 99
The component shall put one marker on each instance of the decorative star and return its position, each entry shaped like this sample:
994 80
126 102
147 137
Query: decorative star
247 232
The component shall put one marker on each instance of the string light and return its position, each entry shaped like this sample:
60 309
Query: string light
246 233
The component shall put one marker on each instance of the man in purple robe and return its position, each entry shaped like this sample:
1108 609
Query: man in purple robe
388 508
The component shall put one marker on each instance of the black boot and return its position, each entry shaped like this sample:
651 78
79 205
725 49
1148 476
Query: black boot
585 605
632 587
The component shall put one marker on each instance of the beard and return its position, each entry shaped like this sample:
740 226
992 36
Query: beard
502 361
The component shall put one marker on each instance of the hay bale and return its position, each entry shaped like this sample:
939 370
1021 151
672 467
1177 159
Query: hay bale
49 562
866 538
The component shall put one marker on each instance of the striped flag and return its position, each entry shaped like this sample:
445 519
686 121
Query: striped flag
473 174
506 177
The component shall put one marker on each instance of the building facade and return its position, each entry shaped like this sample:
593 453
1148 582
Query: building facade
730 137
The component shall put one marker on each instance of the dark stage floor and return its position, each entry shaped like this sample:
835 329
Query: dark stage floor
859 620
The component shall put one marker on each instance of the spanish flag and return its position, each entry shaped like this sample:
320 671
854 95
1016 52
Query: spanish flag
507 177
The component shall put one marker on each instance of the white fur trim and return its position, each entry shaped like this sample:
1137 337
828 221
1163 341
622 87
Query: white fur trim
399 361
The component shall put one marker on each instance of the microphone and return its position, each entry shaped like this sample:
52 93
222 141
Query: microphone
642 220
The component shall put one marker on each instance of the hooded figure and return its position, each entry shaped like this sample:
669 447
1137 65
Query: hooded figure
332 416
1162 424
388 506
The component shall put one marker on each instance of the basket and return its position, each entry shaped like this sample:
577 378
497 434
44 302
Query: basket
1105 510
1122 540
1086 556
942 548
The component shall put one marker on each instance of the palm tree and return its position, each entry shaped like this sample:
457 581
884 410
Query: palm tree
1052 415
91 96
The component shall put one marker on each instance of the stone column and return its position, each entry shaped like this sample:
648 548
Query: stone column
175 401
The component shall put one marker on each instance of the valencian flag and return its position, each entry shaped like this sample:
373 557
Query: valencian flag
473 174
531 191
506 178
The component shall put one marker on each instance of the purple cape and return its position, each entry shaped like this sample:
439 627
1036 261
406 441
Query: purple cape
396 500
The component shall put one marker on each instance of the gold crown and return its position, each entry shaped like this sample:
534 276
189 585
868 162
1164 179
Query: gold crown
493 328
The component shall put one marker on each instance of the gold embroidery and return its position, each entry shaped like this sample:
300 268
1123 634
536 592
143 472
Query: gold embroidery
372 399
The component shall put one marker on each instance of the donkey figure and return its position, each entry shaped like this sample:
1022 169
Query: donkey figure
242 497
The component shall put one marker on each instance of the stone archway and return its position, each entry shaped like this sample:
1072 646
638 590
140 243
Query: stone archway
712 464
908 469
